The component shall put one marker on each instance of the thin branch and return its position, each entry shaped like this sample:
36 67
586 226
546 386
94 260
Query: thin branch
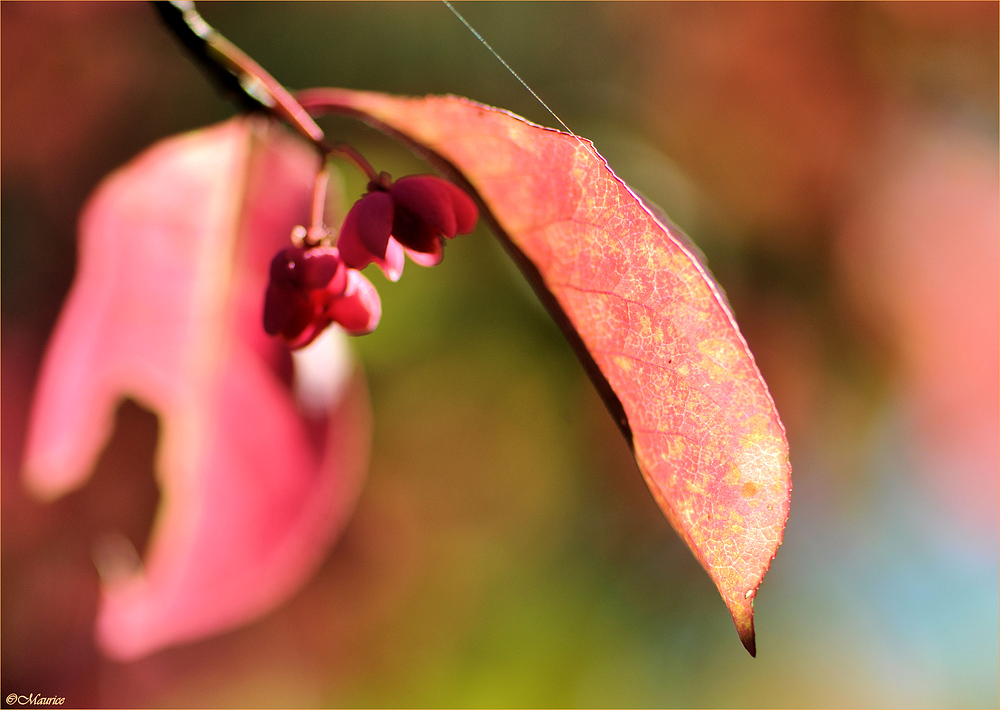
238 75
317 227
246 82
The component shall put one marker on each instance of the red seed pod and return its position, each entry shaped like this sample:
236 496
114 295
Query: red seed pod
415 213
365 236
312 268
359 309
311 288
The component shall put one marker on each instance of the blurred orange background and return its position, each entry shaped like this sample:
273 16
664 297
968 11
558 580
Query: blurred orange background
837 163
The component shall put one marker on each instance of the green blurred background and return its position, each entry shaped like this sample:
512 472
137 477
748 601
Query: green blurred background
837 163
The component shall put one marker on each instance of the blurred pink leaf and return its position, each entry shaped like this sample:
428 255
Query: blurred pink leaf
166 309
644 315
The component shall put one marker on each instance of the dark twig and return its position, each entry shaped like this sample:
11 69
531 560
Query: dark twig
246 82
239 76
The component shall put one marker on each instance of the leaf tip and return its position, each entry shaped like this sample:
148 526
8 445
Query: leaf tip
743 618
749 640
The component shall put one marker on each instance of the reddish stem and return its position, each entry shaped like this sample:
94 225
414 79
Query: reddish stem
348 151
317 228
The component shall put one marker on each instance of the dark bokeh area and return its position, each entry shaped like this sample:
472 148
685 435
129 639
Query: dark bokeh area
837 163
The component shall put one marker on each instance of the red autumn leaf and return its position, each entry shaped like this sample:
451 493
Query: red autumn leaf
166 308
646 318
